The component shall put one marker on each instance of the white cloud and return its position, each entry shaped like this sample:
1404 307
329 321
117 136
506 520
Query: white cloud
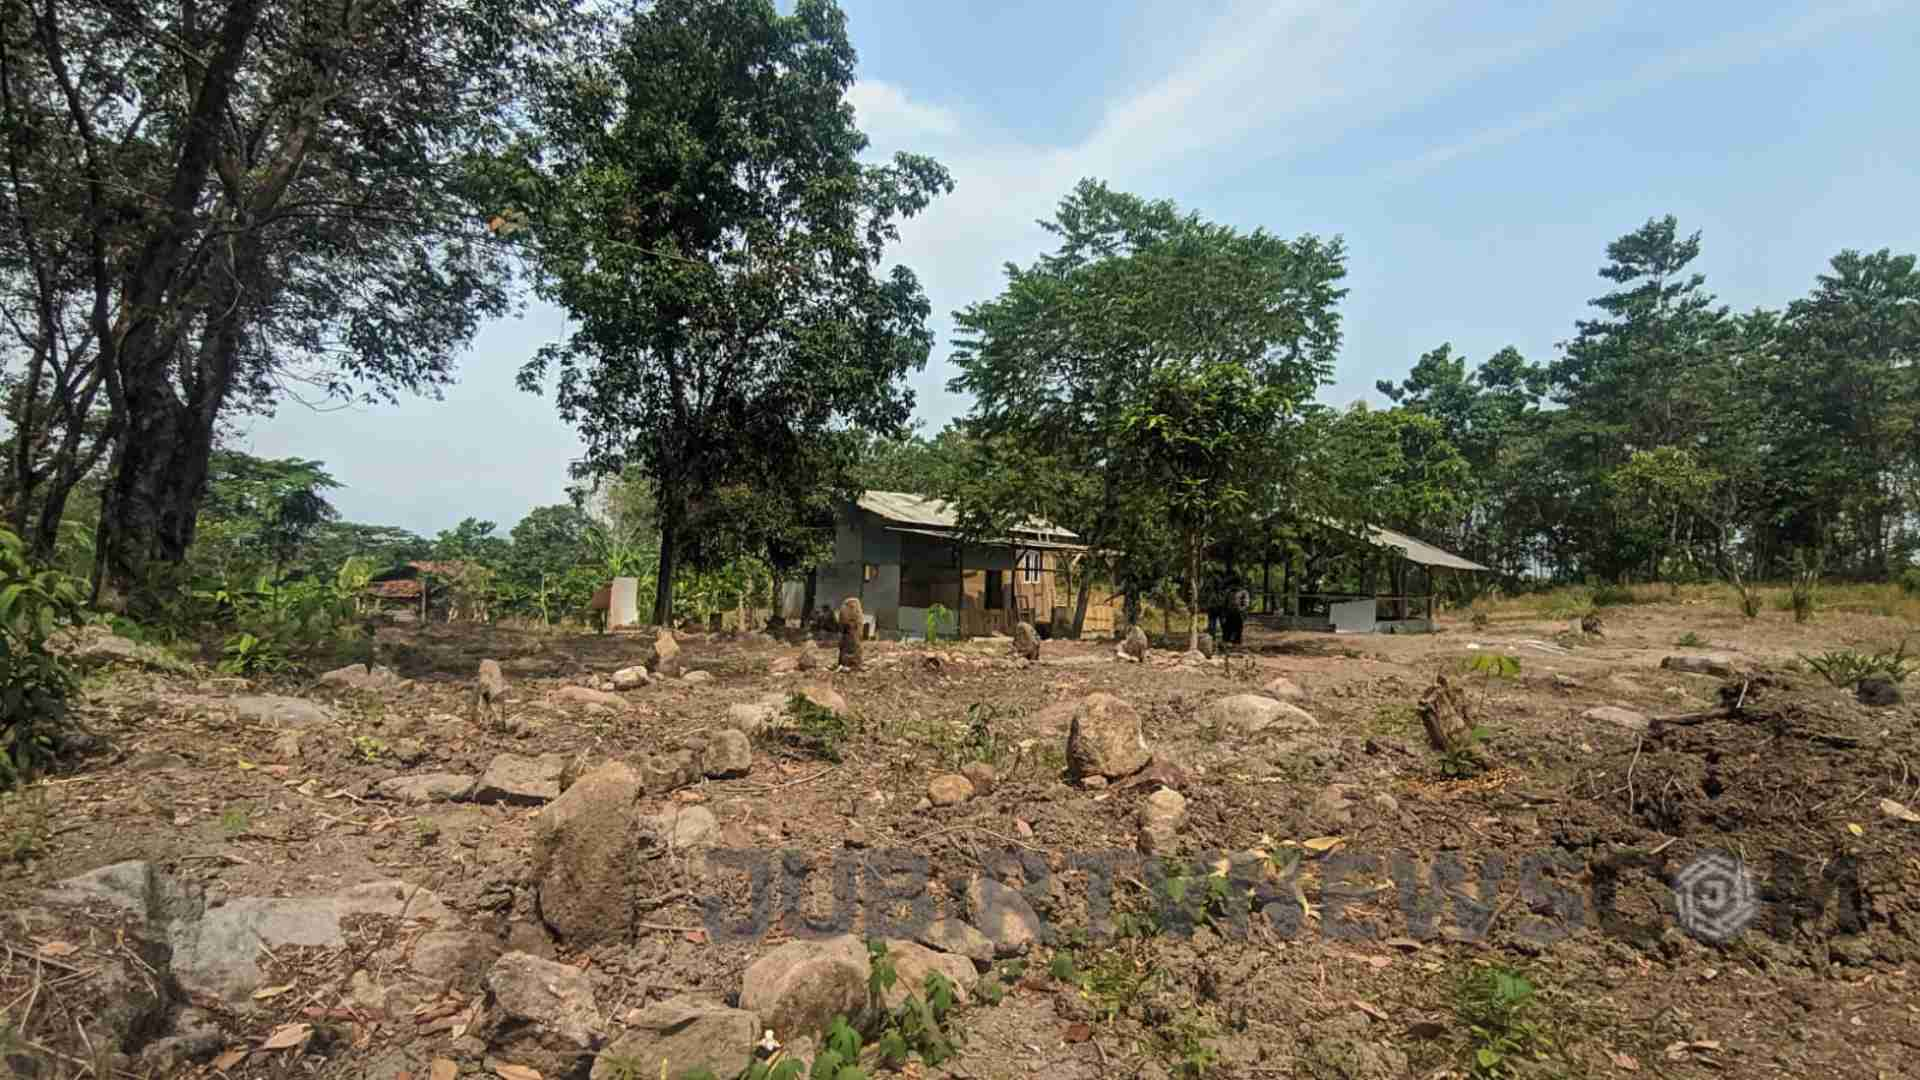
883 112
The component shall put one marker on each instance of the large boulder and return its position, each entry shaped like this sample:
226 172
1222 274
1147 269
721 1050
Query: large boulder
491 691
669 771
1135 646
951 935
280 712
136 890
1026 641
544 1013
679 1038
1877 692
680 827
1285 689
949 789
824 696
581 851
631 678
666 661
1245 714
521 780
426 787
808 659
727 754
453 959
1105 739
1003 915
1205 646
798 988
1617 716
913 962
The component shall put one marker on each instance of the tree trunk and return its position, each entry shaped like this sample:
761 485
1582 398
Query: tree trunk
1080 604
1193 593
152 499
669 555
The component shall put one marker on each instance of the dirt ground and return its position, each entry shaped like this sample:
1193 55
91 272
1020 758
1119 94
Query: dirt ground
1338 981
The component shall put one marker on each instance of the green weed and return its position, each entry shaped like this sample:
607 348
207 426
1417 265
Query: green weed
1496 1005
233 821
1845 668
1691 640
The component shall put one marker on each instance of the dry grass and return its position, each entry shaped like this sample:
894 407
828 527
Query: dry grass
1884 600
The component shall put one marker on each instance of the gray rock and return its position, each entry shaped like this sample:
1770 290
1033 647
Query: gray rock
1877 692
1026 641
1135 647
685 1035
727 754
824 696
491 690
798 988
1003 915
1105 738
426 787
1699 665
591 698
697 678
949 789
912 963
217 954
522 781
1162 816
632 678
1617 716
290 745
1285 689
752 717
362 677
558 998
96 648
666 662
662 773
1206 649
155 761
1332 808
285 712
682 827
808 659
455 959
137 890
1247 714
953 936
581 850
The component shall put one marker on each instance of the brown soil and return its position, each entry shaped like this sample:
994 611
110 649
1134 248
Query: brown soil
1792 778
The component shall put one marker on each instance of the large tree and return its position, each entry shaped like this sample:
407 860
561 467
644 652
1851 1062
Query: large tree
698 204
213 204
1070 348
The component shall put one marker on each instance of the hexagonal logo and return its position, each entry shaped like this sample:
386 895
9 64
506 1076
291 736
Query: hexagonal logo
1715 897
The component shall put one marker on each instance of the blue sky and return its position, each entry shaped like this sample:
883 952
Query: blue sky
1476 157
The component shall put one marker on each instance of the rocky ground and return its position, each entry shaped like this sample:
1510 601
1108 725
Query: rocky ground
573 865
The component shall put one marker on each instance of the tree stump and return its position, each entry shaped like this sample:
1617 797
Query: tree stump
1448 719
853 623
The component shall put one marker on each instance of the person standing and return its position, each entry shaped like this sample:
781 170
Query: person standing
1234 622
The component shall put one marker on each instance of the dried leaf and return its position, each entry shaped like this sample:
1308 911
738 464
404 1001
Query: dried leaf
1855 829
698 937
1370 1011
59 948
287 1036
229 1059
467 1021
1324 843
1380 963
1078 1033
278 772
1426 1029
266 992
443 1069
244 765
1627 1062
517 1072
1405 943
1898 812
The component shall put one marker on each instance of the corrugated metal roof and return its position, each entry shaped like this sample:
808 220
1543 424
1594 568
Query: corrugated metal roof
1021 542
1423 553
919 510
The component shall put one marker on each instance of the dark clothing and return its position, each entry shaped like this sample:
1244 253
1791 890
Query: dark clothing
1232 624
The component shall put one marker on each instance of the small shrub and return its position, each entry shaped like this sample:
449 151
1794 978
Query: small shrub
1910 580
1495 1005
1481 619
1691 640
35 685
369 748
245 654
1845 668
234 821
812 728
1613 596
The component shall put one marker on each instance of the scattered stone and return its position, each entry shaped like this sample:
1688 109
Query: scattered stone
1386 803
1206 647
1003 915
632 678
1877 692
217 953
558 998
1617 716
1245 714
824 696
1193 657
491 688
754 717
155 761
1093 783
666 661
697 677
580 854
1591 624
366 994
798 988
682 827
950 789
1285 689
682 1037
1135 647
284 712
980 775
662 773
1105 738
1563 682
1162 816
453 959
1699 665
588 696
1026 641
808 658
363 677
853 625
954 936
727 754
782 665
523 781
136 889
426 788
1332 808
913 962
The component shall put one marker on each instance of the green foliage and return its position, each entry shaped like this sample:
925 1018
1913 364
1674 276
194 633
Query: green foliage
369 749
1612 595
938 616
1691 640
1845 668
234 821
245 654
1490 666
1496 1006
1910 580
36 685
811 728
1480 619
